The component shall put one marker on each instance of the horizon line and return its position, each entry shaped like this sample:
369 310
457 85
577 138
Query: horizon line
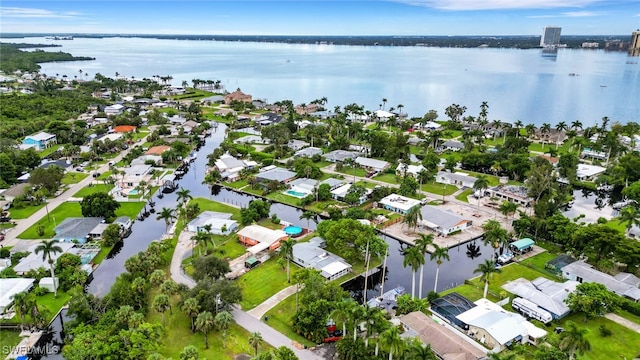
279 35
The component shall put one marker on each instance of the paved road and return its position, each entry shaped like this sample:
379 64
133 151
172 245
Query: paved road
182 251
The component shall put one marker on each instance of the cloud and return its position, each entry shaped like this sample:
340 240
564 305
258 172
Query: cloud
569 14
498 4
16 12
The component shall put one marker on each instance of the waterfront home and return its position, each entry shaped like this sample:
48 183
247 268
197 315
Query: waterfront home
586 172
220 223
513 193
308 152
114 110
443 222
177 120
398 203
251 139
230 167
280 175
458 179
497 328
39 141
61 163
593 155
451 145
79 229
237 96
154 160
623 284
259 238
303 186
546 294
341 192
297 144
189 126
409 170
9 288
445 342
372 164
268 118
333 183
312 254
340 155
157 150
133 175
34 261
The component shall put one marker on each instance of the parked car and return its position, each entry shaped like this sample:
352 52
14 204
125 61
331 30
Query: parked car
333 336
79 169
95 174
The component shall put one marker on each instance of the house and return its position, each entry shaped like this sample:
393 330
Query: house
303 186
429 125
372 164
449 306
513 193
409 170
123 129
297 144
457 179
214 99
221 223
586 172
308 152
61 163
9 288
547 294
623 284
251 139
556 264
593 155
303 109
398 203
39 141
177 120
497 328
276 174
111 137
342 191
237 96
147 159
444 222
312 254
189 126
115 109
157 150
78 229
34 261
445 342
259 238
383 115
340 155
333 183
268 118
451 145
133 175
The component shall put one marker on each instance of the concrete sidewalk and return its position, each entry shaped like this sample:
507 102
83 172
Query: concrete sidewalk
259 311
624 322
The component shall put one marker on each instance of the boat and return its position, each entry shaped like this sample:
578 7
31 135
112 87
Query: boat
605 187
622 204
505 258
388 300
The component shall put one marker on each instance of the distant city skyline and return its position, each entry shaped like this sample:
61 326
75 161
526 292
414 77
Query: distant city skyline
306 17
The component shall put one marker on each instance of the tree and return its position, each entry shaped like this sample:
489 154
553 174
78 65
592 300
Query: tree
184 195
211 267
550 353
413 258
631 216
508 208
191 308
99 204
422 242
166 214
223 321
157 277
592 299
486 269
202 238
22 304
439 254
49 178
480 185
391 340
204 323
494 234
573 340
189 352
411 218
255 340
161 304
49 248
111 234
286 252
341 311
309 215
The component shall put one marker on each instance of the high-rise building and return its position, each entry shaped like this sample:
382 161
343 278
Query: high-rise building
550 36
634 46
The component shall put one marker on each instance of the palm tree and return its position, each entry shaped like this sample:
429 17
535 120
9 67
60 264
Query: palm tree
21 303
419 351
544 129
573 340
341 312
204 238
223 321
414 258
308 215
518 124
411 218
508 208
439 254
630 215
576 124
560 127
422 242
286 251
356 314
487 268
373 317
184 195
255 339
167 215
391 340
480 184
494 235
161 304
204 323
48 248
191 308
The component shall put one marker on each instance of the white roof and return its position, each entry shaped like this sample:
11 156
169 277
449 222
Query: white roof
10 287
335 268
34 261
432 125
502 325
41 136
384 114
112 137
399 202
342 190
586 170
372 163
262 234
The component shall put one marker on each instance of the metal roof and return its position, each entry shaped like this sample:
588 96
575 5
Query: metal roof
523 243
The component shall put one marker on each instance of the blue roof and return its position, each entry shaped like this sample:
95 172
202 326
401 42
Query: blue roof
523 243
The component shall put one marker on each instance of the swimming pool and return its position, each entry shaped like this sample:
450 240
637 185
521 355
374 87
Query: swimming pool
293 230
296 193
133 192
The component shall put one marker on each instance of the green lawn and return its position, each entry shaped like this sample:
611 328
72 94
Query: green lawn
237 184
53 304
8 339
25 212
73 177
285 199
280 318
436 188
535 146
91 189
464 195
366 184
388 178
104 251
539 261
351 171
72 209
629 316
210 205
263 281
105 175
50 150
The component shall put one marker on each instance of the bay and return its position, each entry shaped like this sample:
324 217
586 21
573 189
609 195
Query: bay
517 84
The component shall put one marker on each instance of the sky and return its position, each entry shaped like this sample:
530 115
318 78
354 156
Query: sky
330 17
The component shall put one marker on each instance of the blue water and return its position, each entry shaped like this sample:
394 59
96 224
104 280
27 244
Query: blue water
292 230
133 192
296 193
517 84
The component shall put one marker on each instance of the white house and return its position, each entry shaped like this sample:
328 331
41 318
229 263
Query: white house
39 141
444 222
623 284
115 109
230 167
413 170
586 172
340 193
133 175
308 152
452 145
398 203
547 294
297 144
9 288
260 238
457 179
372 164
220 223
311 254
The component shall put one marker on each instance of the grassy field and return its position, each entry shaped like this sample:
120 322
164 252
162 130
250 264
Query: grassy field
8 339
388 178
24 212
72 209
237 184
264 281
48 151
464 195
280 319
86 191
351 171
210 205
73 177
436 188
285 199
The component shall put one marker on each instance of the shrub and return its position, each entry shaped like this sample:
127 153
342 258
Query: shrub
604 332
40 291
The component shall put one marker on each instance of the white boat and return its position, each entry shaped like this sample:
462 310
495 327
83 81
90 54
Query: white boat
605 187
388 300
505 258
